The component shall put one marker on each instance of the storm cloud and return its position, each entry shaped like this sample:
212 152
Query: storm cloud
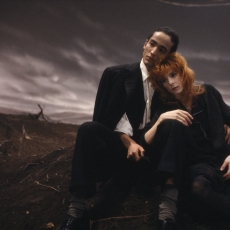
53 52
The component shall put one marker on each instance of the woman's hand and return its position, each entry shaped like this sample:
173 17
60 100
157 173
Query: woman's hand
226 166
180 115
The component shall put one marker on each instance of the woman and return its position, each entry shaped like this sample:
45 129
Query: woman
187 136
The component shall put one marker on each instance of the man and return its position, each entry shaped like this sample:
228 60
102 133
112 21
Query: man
124 105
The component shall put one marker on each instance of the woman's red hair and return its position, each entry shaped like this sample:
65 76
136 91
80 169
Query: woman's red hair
177 63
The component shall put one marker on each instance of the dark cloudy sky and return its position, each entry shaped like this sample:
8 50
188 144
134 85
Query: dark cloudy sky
53 52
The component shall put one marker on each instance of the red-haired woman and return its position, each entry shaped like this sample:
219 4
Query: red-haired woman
187 139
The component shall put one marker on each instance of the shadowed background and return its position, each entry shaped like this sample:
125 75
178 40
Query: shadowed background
53 52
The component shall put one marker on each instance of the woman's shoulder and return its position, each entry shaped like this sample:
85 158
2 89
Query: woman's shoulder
208 86
211 92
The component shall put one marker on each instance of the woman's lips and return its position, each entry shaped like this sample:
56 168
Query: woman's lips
174 88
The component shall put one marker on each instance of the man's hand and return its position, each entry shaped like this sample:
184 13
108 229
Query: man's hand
227 134
180 115
135 152
226 166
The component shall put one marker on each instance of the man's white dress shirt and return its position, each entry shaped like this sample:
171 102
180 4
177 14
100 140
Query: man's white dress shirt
124 125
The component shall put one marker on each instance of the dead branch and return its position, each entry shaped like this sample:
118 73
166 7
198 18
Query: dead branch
25 179
122 217
38 115
39 171
30 164
3 142
47 186
24 133
65 154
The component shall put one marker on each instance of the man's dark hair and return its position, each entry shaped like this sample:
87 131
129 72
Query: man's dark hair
171 33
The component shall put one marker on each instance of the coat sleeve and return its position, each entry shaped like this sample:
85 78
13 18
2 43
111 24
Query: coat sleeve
224 108
111 98
101 98
218 115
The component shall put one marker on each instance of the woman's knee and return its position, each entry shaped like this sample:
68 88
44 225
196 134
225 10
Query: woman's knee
172 128
171 123
200 188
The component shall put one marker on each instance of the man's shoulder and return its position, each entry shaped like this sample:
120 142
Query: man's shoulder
130 67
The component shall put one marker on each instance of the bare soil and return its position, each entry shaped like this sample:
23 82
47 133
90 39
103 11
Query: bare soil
35 167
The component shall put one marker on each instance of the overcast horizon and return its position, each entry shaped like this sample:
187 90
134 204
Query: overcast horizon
53 52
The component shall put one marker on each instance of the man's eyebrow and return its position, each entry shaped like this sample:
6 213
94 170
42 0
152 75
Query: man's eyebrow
152 40
162 47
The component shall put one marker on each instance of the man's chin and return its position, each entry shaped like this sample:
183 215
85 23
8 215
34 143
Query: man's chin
149 65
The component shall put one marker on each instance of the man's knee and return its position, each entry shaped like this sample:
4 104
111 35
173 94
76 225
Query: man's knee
90 127
93 133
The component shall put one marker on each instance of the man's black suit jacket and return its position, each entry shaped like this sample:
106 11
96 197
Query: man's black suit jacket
121 91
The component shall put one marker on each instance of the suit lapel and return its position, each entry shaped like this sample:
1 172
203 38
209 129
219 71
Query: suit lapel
135 94
133 80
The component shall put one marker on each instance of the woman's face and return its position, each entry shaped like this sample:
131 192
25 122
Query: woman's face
172 82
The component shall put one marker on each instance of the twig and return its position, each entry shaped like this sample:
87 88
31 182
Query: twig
47 186
64 154
3 142
123 217
24 133
39 114
39 171
25 178
31 164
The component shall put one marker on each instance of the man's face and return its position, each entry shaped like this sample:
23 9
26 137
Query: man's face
157 47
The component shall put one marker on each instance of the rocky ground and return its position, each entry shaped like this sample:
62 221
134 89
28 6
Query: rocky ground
35 165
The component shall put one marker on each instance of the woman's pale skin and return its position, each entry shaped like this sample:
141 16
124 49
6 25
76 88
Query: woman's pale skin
172 83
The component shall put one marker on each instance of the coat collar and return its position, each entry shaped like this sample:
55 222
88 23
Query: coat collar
135 104
133 78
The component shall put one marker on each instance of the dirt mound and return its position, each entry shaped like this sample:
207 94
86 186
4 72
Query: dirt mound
34 171
35 167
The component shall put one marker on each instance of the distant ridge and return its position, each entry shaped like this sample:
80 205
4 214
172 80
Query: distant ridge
11 111
63 117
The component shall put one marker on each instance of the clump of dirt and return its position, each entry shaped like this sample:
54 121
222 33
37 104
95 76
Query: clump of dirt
35 168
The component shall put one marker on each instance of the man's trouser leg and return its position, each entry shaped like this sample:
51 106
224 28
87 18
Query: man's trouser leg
96 148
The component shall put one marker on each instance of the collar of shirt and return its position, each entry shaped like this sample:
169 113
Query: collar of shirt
144 71
148 93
